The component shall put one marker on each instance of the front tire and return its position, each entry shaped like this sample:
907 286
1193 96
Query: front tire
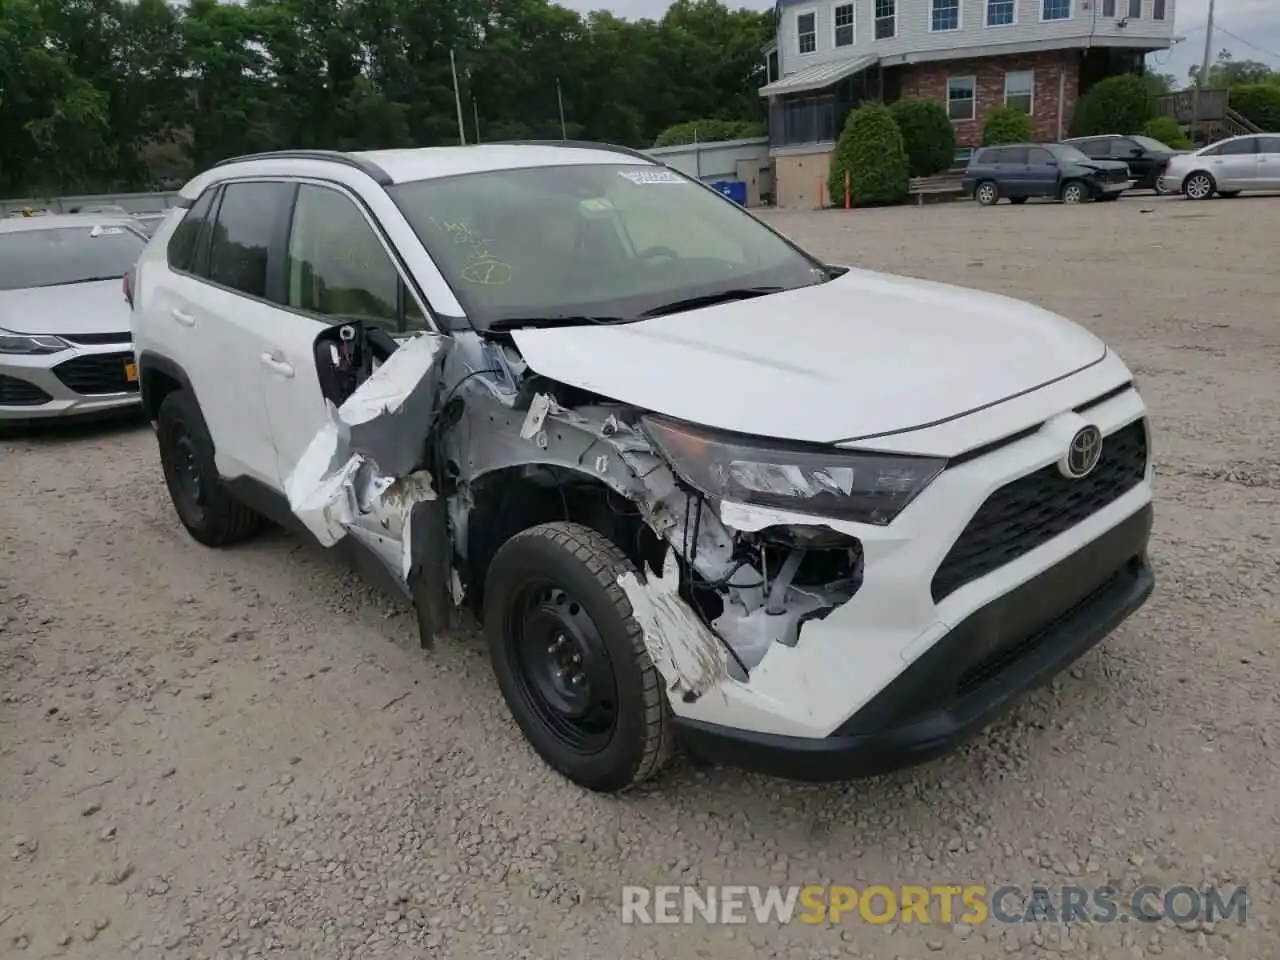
1199 186
1073 191
204 506
570 658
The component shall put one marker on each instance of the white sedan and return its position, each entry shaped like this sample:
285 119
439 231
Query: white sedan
1227 168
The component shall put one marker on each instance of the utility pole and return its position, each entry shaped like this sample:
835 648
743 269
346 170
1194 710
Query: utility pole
475 114
560 101
457 98
1203 75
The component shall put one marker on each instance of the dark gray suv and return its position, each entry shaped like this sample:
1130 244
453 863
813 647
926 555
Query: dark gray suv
1057 171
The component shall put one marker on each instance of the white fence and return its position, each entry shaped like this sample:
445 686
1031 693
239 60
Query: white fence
136 203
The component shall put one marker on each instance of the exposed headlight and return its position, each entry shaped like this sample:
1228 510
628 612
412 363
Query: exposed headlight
807 478
30 345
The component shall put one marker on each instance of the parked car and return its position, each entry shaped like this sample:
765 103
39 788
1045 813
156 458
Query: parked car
1058 171
1145 156
65 347
698 484
1228 167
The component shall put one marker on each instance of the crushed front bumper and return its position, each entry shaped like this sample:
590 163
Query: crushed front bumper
1015 643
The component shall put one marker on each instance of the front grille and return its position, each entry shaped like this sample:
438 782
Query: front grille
1034 509
97 374
96 339
19 393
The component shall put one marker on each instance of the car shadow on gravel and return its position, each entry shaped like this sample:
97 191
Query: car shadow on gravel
100 426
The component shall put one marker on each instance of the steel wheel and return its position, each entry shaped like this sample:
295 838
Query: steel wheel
1199 186
987 194
1073 193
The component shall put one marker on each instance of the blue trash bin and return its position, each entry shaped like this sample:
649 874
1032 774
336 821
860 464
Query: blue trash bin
735 190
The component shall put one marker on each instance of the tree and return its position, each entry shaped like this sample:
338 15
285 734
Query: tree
1121 104
1006 125
928 135
871 150
709 131
1259 102
1167 131
1226 72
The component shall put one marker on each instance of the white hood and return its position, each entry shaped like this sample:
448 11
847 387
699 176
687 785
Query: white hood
69 308
858 357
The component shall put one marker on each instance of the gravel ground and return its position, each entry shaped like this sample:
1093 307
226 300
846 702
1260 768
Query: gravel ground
242 753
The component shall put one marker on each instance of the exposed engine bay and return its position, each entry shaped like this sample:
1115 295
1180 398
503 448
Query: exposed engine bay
439 449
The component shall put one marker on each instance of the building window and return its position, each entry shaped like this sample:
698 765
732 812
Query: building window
844 25
1055 9
807 31
945 15
1001 13
773 66
962 157
1019 89
1108 8
886 19
1135 9
1157 10
960 97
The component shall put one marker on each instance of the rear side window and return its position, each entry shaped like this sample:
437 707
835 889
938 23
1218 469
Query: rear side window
248 217
182 245
1013 155
1235 148
1096 148
1269 144
988 156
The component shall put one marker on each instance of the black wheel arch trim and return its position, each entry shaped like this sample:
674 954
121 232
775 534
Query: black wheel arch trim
148 362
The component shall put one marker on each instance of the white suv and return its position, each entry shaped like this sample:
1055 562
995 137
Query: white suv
699 485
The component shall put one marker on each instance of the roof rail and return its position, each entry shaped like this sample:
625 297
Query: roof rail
579 145
374 171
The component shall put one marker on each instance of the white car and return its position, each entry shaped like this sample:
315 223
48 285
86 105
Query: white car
1227 168
65 348
699 485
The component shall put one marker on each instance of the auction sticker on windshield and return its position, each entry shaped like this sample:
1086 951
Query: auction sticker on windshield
650 176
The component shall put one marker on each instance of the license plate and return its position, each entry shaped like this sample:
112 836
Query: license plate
131 372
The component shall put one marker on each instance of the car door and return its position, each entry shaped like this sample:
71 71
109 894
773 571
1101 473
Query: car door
1234 164
1268 163
336 268
1128 152
223 301
1015 178
1042 173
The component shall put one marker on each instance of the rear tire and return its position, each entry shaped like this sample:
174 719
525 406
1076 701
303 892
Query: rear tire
1017 199
570 658
202 502
987 193
1229 194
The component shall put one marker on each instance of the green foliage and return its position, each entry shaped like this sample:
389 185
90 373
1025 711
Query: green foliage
1259 102
1167 131
872 151
1006 125
100 95
928 135
1227 71
1121 104
709 131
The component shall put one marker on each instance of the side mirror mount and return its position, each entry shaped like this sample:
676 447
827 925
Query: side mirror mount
1136 151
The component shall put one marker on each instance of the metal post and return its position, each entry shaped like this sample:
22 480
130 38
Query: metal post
560 102
1203 75
475 114
457 98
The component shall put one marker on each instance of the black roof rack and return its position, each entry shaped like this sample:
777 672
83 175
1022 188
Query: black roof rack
380 176
578 145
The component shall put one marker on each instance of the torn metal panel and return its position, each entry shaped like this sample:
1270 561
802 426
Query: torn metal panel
690 658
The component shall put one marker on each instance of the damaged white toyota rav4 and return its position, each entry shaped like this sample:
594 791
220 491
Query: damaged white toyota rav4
700 486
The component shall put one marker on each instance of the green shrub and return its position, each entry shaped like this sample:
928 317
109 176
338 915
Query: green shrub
870 148
1259 102
1167 131
1120 104
927 134
709 131
1006 125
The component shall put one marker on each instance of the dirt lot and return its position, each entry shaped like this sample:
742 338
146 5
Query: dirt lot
240 753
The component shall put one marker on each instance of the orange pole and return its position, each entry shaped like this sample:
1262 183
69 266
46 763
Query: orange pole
846 189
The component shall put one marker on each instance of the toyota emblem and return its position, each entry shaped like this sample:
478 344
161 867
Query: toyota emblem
1082 454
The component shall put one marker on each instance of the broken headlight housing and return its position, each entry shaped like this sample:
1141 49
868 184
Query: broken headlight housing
807 478
30 344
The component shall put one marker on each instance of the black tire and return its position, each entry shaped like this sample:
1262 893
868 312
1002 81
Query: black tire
987 193
1017 199
1229 194
1199 186
1073 191
1108 198
201 500
552 593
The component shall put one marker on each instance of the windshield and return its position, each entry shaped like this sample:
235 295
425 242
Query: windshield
593 241
51 256
1151 144
1068 153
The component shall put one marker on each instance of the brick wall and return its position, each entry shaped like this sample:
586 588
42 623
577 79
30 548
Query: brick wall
928 81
